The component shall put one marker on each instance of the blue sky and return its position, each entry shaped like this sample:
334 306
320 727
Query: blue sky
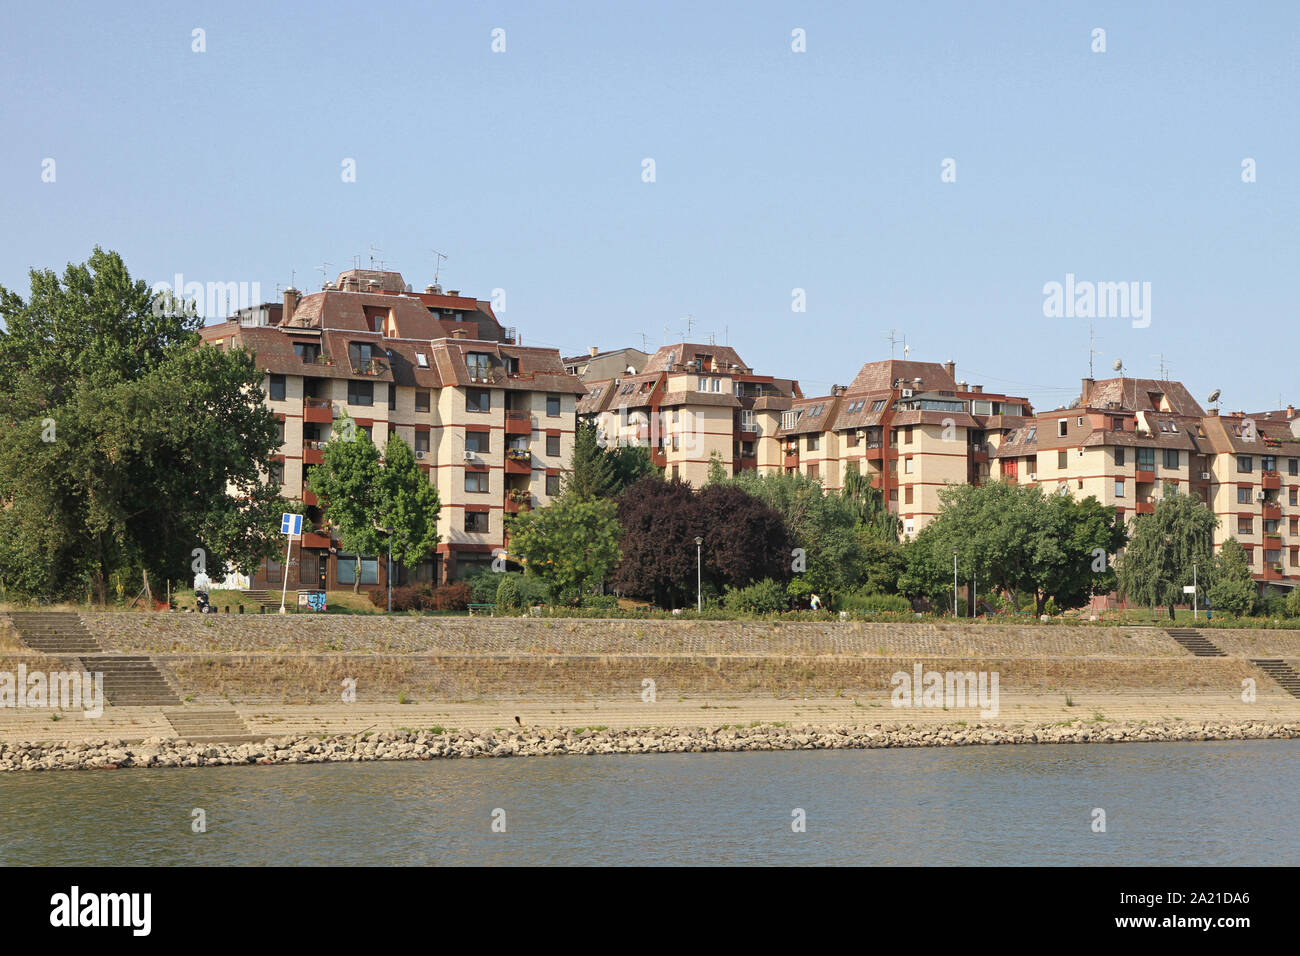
774 170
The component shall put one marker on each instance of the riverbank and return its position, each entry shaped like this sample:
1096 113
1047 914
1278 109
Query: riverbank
158 752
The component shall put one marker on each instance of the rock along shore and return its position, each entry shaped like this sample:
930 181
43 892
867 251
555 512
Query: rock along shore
428 745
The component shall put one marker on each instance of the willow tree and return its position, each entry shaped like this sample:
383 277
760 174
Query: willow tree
1162 547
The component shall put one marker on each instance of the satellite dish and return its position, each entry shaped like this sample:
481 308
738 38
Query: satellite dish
1119 365
1214 397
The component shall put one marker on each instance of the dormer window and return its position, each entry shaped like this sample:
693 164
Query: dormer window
421 360
478 364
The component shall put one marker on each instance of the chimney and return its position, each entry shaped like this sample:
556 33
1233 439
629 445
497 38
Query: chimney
453 292
977 389
1087 385
291 296
951 368
1290 412
457 333
594 351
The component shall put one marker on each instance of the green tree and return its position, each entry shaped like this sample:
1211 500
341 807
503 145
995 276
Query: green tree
591 469
406 504
507 596
871 508
1157 562
1232 589
127 449
348 483
571 544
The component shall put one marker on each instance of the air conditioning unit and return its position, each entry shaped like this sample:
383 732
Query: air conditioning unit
1205 476
1033 476
1259 495
419 456
469 456
907 393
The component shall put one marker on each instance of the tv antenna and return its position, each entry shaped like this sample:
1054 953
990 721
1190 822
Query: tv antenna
437 264
1164 370
892 335
373 249
323 269
690 322
1092 339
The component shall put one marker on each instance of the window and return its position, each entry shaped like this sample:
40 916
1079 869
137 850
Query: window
1170 458
812 442
677 443
361 393
1243 494
907 495
421 400
748 420
421 360
476 522
552 446
1062 426
907 466
1292 498
476 482
277 388
421 443
814 470
307 351
907 435
675 472
1244 464
478 400
478 364
552 405
272 570
1062 459
276 472
1245 524
347 569
1119 487
852 439
1268 463
1117 424
1270 526
478 442
553 482
1293 466
1079 421
1146 459
878 404
1119 457
280 431
360 353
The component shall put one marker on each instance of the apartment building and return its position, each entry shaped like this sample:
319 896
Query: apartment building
691 405
910 427
1128 439
490 421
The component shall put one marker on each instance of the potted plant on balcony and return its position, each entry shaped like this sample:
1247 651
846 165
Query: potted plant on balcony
522 498
519 454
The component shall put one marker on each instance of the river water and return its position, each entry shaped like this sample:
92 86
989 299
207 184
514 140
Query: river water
1188 804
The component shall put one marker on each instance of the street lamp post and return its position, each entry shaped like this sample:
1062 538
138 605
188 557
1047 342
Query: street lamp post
699 577
954 582
1195 605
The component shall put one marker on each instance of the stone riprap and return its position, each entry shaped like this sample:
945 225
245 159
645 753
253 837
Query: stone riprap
427 745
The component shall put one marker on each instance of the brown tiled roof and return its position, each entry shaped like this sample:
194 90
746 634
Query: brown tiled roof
1271 437
928 417
1134 394
773 403
819 423
540 370
717 399
880 376
864 417
685 353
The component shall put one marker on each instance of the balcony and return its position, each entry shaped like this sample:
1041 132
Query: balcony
1145 476
519 461
979 454
309 497
370 367
1271 511
1273 572
313 453
791 460
518 500
315 539
1270 480
1145 507
518 422
317 410
874 451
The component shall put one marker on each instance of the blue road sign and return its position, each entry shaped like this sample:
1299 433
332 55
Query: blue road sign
290 523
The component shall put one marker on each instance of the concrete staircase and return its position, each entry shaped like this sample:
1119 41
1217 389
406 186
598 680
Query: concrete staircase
192 724
131 681
1280 671
1195 642
268 600
54 632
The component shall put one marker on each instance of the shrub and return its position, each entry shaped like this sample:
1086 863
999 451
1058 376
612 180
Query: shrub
602 601
862 601
453 597
405 598
762 597
483 585
507 596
